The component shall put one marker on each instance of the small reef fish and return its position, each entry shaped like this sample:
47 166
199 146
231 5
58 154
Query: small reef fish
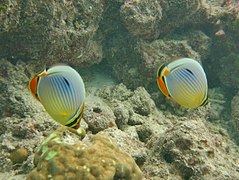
61 91
184 81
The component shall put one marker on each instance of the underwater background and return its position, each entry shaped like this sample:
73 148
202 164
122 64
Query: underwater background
131 130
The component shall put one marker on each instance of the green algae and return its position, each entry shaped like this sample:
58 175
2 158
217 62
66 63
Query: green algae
50 155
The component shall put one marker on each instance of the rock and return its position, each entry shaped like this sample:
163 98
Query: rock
51 31
9 15
142 18
199 42
94 157
144 132
180 13
229 69
235 113
98 115
148 20
14 93
19 155
135 110
136 119
121 113
132 132
196 152
216 104
128 142
141 102
119 92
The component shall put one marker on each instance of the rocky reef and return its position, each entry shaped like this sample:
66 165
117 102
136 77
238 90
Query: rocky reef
51 31
235 114
193 156
131 131
64 156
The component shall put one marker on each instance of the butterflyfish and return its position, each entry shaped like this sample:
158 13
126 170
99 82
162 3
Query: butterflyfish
60 89
184 81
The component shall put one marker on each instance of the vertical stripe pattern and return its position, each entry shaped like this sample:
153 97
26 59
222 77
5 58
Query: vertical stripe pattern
186 82
62 93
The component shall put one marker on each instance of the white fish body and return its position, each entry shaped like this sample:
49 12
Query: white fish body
61 91
185 82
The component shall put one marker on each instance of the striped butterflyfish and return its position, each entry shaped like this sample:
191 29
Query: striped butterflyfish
61 91
184 81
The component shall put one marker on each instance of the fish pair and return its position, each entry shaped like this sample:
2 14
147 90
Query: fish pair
61 90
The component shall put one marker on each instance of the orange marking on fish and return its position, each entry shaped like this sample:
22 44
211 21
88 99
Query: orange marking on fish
33 87
162 86
43 73
166 72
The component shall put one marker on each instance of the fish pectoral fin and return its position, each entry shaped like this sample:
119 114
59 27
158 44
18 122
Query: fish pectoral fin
166 72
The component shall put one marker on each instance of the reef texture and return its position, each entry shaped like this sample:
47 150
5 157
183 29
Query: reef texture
158 142
87 32
235 114
98 115
191 155
148 34
137 14
148 20
52 31
131 39
63 156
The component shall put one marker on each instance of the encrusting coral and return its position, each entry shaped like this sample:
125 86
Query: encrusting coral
63 156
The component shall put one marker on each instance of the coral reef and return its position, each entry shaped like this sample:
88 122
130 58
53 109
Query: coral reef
9 15
193 156
135 108
141 18
129 142
51 31
229 68
19 155
23 121
13 92
130 38
235 114
217 109
98 115
158 142
63 156
148 20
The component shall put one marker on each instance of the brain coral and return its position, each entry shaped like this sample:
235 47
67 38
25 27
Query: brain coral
63 156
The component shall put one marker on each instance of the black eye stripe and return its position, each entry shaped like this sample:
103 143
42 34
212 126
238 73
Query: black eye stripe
160 69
